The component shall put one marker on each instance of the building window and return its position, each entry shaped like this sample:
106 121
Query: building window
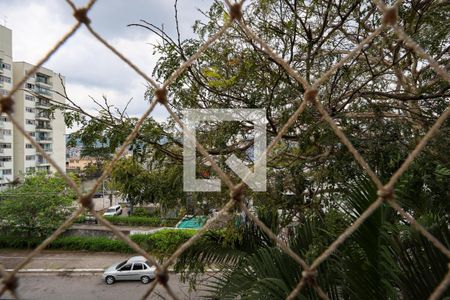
5 146
44 168
7 172
28 146
32 133
30 169
30 157
42 78
29 98
6 66
3 92
46 147
6 131
4 119
5 79
6 158
30 86
29 122
29 109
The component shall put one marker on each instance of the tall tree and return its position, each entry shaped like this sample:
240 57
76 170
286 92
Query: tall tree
384 99
37 206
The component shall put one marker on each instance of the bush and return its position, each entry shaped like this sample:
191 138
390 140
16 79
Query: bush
161 244
142 221
19 242
94 244
141 212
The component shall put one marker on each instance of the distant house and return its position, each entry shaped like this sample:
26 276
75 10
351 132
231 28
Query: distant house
77 164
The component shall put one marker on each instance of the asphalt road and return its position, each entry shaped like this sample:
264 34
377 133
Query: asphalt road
86 287
81 286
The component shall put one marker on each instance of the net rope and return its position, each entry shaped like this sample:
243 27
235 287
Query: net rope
310 98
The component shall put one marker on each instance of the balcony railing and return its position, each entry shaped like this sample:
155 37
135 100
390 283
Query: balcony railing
6 152
42 116
44 127
44 104
44 139
43 91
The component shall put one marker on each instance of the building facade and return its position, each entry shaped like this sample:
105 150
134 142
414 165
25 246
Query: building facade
6 128
36 109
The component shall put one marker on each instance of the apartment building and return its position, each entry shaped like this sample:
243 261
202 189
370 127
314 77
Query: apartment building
6 128
35 108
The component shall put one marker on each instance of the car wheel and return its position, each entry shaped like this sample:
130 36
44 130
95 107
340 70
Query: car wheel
145 279
109 280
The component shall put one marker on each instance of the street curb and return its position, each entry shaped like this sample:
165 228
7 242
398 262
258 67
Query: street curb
58 270
76 270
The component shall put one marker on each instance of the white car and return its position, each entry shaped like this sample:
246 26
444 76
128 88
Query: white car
135 268
113 211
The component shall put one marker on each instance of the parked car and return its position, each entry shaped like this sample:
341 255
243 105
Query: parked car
113 211
135 268
90 219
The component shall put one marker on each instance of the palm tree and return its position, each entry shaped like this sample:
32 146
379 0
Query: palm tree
383 259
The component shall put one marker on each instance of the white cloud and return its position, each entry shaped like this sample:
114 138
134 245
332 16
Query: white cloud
90 68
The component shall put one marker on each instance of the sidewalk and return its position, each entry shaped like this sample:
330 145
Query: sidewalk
49 259
104 228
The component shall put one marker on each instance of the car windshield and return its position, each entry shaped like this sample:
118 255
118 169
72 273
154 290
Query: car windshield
111 210
120 265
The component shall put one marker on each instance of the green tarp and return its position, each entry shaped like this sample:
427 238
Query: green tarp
192 223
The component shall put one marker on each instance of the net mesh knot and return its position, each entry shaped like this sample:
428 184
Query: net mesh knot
6 105
162 276
310 95
81 15
386 193
309 277
236 11
87 202
161 95
11 283
237 192
390 16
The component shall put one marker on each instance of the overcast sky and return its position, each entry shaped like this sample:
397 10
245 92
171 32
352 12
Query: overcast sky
91 69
